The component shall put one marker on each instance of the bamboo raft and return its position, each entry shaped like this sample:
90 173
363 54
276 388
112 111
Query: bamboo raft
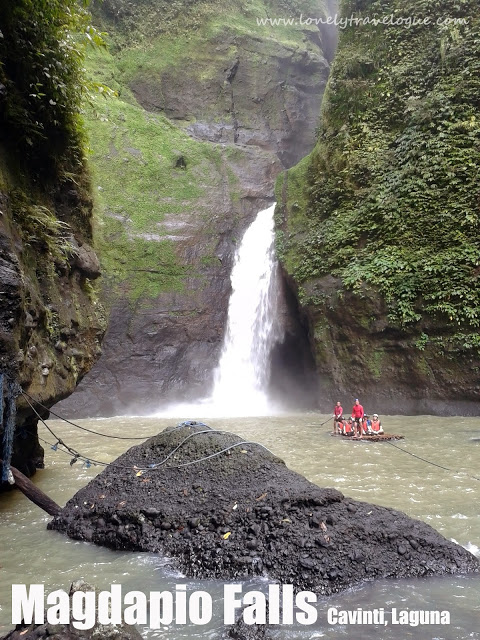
380 437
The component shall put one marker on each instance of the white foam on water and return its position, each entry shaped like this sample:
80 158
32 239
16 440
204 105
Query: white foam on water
469 546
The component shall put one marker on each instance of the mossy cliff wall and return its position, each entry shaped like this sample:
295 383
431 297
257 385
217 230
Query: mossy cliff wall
50 321
378 229
211 107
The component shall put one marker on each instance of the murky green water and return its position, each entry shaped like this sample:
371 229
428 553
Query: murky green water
375 472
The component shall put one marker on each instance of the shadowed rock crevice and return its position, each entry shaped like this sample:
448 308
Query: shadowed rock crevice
293 377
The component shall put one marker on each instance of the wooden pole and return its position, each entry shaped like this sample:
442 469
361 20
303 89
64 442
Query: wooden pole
33 493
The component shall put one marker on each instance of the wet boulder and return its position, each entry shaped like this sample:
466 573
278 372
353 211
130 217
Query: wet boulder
86 260
226 509
242 631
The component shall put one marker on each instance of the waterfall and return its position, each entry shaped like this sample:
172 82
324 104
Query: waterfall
253 327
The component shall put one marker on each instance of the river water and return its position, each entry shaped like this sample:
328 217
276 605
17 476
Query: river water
375 472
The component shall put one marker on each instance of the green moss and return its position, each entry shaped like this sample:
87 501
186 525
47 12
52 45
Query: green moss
290 214
129 142
138 24
390 196
364 322
375 363
141 192
155 42
424 368
151 176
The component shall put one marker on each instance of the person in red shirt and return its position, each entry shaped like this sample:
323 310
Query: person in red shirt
357 415
337 415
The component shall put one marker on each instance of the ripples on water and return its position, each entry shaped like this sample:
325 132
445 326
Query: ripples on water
375 472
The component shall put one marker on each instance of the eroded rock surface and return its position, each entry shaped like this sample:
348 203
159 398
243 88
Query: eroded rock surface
243 513
51 324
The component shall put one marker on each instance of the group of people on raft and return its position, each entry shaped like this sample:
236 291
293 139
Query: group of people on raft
358 425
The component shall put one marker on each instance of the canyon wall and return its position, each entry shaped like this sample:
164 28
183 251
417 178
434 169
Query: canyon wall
51 322
378 229
211 107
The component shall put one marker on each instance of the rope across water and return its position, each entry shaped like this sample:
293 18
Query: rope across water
76 455
89 461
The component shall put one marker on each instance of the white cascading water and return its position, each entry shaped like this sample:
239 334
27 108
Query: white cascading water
253 327
242 375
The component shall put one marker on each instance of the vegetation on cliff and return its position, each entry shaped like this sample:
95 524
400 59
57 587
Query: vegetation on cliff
388 201
147 172
157 170
42 90
42 48
50 324
140 21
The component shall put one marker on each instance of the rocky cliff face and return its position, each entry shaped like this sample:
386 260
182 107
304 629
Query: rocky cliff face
211 108
50 321
379 227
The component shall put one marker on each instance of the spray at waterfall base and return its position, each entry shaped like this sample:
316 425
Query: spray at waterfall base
263 369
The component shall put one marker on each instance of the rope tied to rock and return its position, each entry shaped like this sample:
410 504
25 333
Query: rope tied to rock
88 462
8 415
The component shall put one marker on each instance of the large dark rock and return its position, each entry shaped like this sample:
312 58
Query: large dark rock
243 513
243 631
86 261
68 632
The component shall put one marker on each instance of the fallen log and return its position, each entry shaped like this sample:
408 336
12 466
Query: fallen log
33 493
